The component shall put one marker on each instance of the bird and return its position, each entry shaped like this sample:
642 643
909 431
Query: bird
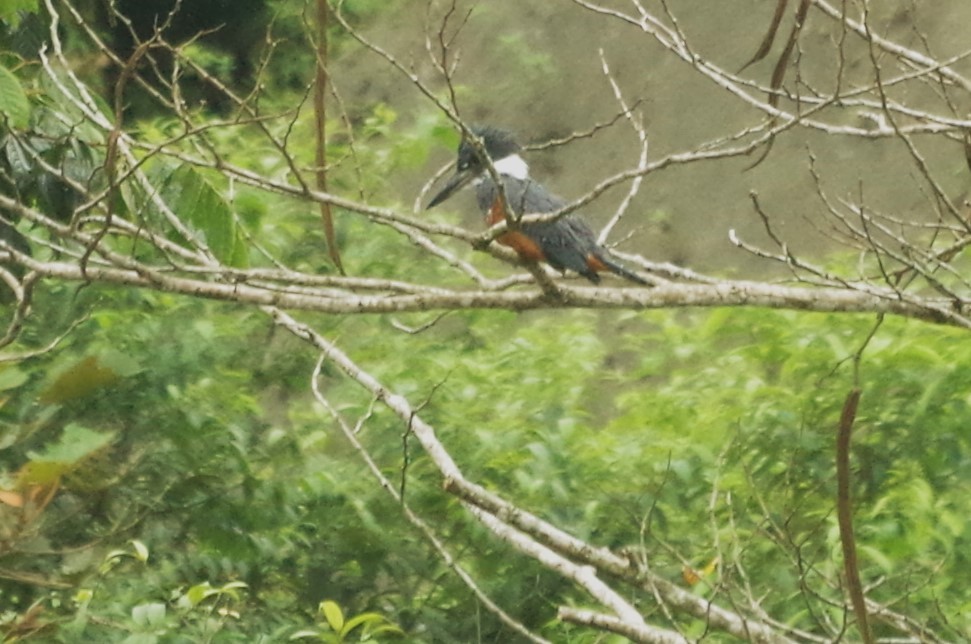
566 243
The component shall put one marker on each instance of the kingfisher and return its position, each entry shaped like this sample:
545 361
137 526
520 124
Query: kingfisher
566 243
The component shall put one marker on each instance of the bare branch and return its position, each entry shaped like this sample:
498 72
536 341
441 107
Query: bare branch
420 524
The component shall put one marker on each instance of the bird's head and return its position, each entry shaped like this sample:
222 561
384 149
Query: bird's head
503 151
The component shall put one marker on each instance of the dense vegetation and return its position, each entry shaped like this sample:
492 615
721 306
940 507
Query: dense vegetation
179 425
167 475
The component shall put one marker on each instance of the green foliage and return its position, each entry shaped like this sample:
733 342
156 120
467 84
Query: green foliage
13 99
44 156
11 11
370 625
218 448
201 207
199 613
75 444
165 475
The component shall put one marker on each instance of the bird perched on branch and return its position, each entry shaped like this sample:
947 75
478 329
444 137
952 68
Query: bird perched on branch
566 243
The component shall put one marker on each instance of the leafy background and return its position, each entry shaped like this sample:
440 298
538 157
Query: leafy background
168 477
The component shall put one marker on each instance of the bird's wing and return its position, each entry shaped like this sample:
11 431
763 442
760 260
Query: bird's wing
566 242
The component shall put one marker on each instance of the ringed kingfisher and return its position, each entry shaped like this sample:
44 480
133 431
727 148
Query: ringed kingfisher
565 244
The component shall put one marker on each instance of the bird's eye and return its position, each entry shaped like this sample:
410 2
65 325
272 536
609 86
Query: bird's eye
463 165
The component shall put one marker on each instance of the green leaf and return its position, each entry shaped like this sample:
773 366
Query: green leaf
193 199
11 377
386 628
89 375
83 595
374 624
363 618
151 614
114 555
199 592
333 615
76 443
41 472
13 100
231 588
10 11
20 162
141 550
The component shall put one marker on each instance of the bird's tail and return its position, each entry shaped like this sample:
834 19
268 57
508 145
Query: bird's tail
617 268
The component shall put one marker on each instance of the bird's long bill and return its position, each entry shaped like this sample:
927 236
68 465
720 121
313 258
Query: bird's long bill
455 183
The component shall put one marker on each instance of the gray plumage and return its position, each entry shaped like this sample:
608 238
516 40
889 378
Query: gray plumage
565 244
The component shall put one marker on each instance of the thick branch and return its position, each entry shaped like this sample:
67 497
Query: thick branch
728 293
614 625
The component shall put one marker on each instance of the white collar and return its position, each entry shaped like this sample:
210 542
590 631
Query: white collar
512 166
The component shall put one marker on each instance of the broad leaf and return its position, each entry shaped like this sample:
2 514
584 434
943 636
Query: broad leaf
11 377
194 200
333 615
10 10
76 443
13 99
151 614
90 374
